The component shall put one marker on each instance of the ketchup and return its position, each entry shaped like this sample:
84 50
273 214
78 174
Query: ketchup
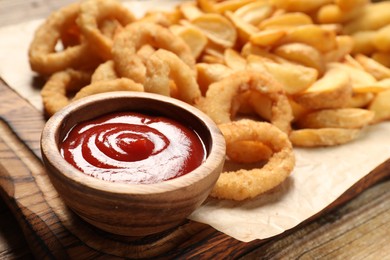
133 148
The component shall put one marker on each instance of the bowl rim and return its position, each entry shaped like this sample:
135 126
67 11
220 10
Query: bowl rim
54 123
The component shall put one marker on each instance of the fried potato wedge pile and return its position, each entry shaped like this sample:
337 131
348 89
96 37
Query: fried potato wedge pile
314 73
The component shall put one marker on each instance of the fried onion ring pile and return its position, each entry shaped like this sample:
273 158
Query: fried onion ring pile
271 75
137 35
152 55
103 38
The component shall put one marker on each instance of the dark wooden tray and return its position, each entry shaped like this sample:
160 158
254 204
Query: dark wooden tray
52 230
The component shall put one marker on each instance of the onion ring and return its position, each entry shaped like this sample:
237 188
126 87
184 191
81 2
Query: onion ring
164 66
105 71
321 137
245 184
121 84
43 57
134 36
55 93
157 76
93 13
220 97
145 52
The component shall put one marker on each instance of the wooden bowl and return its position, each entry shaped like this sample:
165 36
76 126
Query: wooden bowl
132 209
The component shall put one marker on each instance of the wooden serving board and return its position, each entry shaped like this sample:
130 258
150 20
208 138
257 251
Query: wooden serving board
53 231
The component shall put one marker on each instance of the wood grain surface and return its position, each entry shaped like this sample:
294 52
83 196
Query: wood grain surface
353 228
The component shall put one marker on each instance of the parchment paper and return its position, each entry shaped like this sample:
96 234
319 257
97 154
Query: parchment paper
321 175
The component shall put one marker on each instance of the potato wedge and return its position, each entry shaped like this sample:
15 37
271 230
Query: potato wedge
286 20
373 67
194 38
217 28
361 80
210 73
256 12
303 54
261 104
300 5
336 118
267 37
323 136
215 50
234 60
329 13
333 90
297 110
190 10
360 100
241 105
382 57
373 16
211 6
293 77
244 29
208 58
231 5
379 86
332 13
255 63
381 39
381 106
207 6
313 35
363 42
384 83
347 5
251 49
344 46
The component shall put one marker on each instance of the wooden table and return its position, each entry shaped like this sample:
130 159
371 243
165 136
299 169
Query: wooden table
356 229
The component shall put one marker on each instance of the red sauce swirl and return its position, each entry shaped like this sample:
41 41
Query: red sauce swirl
133 148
